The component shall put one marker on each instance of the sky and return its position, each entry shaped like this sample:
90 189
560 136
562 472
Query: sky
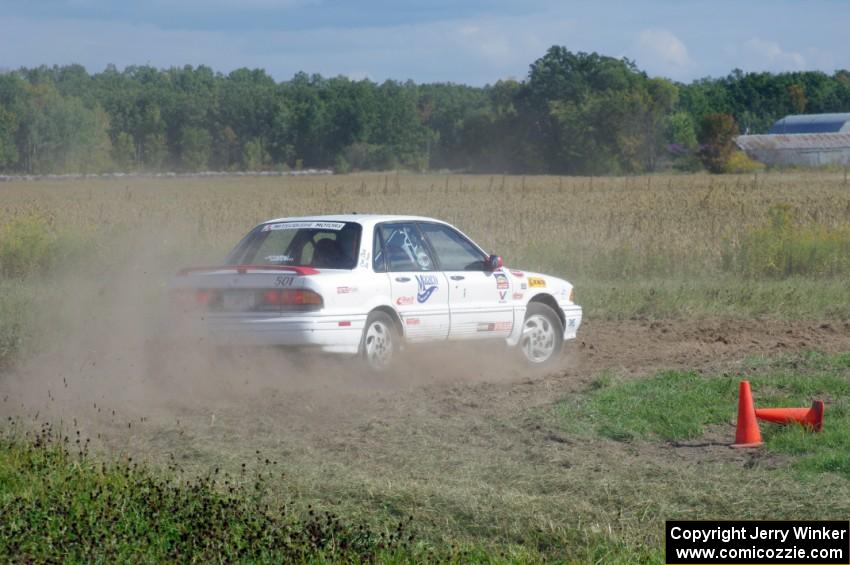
473 42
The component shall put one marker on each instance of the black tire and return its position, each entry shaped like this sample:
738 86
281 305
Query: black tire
379 346
542 335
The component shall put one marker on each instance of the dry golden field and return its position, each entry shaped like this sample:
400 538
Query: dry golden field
660 225
654 245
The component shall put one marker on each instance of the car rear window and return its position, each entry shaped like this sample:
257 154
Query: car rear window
330 245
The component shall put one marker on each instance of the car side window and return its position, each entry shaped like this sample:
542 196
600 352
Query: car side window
404 249
454 251
379 263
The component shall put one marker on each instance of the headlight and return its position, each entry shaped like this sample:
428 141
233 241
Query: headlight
573 295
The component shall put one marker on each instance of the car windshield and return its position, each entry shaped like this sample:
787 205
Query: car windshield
331 245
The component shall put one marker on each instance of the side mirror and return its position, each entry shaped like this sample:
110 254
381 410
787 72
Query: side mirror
494 262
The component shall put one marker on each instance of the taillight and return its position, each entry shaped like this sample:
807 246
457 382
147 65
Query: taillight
301 298
188 299
294 299
572 295
203 297
273 297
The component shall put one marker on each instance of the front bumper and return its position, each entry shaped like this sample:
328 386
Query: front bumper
572 320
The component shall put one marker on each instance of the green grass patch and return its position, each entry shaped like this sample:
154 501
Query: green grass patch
27 245
16 300
687 406
784 247
792 298
670 406
32 252
59 506
32 245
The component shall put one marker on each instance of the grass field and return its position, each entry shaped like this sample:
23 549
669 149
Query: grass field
689 283
687 244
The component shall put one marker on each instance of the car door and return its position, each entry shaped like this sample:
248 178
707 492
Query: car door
480 300
419 291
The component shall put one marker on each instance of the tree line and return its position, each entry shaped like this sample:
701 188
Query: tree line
574 113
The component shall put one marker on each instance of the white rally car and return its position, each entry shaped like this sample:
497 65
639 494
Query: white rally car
366 284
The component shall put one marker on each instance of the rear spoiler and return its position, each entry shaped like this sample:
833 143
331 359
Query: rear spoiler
244 269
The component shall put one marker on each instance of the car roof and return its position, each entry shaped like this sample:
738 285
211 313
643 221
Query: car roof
364 219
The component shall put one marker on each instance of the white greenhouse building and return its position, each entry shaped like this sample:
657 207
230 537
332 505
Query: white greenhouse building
806 140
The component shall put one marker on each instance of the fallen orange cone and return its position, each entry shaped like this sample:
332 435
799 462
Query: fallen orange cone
809 417
747 433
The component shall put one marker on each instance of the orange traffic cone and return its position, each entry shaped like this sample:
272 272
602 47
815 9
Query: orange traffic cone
809 417
747 433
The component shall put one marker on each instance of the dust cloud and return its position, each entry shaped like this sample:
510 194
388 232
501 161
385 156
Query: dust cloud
113 352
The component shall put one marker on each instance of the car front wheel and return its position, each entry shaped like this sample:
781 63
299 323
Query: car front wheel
379 345
542 335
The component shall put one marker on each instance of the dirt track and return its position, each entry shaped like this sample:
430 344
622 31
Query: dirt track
311 400
640 346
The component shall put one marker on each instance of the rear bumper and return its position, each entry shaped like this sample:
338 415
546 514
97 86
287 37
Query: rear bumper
335 334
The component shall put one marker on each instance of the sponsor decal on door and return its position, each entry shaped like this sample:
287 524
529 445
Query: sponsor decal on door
428 285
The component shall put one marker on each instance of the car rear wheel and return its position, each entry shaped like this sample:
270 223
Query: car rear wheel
542 335
379 346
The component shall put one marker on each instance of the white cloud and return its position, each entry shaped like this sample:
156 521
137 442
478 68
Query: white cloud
358 75
492 47
661 52
760 54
